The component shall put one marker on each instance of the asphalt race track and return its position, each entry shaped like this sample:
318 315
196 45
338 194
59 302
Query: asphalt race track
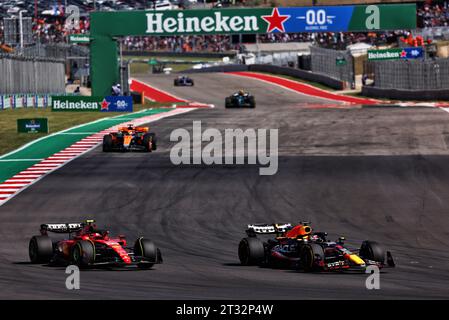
365 173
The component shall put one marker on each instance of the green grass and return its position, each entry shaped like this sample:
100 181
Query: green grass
142 68
57 121
139 68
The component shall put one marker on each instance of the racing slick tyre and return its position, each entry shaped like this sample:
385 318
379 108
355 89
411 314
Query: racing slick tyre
40 249
252 102
150 141
147 249
310 256
251 251
371 250
175 83
107 143
192 83
83 253
228 102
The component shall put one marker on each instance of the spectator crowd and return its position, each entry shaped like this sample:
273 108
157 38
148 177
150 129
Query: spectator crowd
433 14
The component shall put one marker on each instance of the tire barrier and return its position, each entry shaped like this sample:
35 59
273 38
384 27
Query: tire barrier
286 71
404 94
300 74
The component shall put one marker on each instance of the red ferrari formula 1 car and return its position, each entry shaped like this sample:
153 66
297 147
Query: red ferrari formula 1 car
130 138
301 248
83 244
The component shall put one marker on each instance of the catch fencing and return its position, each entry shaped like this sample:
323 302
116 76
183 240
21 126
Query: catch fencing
31 75
429 74
281 59
56 51
334 63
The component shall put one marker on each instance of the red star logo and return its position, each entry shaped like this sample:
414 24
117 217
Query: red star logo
105 105
403 54
275 21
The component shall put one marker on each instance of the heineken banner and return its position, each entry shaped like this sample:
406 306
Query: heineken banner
95 104
256 20
106 26
79 38
396 54
32 125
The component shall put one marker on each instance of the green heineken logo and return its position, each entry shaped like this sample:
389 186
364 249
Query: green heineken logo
216 21
386 54
79 38
77 103
157 22
396 53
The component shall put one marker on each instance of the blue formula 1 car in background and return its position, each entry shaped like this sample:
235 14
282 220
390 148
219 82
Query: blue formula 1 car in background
183 81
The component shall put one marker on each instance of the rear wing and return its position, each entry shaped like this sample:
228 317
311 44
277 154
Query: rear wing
275 228
61 227
137 129
141 129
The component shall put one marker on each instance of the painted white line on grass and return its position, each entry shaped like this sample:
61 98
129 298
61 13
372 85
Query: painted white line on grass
64 132
54 165
14 160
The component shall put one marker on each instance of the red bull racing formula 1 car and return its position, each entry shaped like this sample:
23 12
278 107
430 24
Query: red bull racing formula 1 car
301 248
84 245
130 138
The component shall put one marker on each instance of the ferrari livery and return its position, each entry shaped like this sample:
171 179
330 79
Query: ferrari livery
84 245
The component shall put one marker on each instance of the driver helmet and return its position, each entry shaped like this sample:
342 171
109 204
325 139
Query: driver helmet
241 92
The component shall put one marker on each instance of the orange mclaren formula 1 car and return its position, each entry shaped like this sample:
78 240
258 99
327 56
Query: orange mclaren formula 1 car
130 138
84 245
300 248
